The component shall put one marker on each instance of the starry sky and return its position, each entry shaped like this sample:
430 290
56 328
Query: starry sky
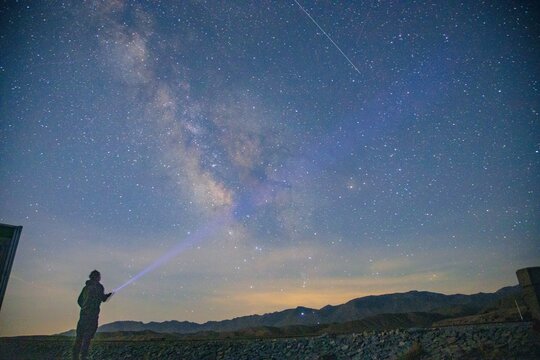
272 154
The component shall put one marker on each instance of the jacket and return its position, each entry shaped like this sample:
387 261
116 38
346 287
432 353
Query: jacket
91 297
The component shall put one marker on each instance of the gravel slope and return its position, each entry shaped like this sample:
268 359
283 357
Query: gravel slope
494 341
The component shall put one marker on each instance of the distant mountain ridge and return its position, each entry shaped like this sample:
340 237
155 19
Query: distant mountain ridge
356 309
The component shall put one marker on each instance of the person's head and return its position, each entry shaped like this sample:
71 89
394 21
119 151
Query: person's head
95 275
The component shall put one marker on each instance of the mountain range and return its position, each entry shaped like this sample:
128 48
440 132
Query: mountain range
368 309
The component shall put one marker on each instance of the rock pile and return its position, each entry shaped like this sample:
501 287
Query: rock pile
494 341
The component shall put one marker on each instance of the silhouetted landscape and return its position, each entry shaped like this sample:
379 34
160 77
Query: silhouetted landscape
415 324
410 309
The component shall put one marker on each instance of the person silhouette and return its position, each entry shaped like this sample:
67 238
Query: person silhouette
90 299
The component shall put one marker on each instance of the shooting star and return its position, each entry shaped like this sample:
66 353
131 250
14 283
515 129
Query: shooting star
328 36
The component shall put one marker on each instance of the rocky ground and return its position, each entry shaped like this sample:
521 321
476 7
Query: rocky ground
494 341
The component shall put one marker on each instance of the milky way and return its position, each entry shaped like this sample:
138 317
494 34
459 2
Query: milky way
357 147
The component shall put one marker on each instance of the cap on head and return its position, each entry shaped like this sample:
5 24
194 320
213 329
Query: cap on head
94 275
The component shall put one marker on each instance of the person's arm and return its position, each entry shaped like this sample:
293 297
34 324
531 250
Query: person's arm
102 294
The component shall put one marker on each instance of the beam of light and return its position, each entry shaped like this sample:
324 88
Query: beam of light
328 36
202 233
245 206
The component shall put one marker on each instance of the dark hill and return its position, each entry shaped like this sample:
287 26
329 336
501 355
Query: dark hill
356 309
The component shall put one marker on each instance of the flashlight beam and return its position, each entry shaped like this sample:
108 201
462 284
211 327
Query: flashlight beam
204 232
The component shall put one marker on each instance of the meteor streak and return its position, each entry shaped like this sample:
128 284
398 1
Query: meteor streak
328 36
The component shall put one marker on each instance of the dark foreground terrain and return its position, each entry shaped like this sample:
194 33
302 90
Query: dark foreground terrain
493 341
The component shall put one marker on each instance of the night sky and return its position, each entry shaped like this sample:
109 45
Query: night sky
275 167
